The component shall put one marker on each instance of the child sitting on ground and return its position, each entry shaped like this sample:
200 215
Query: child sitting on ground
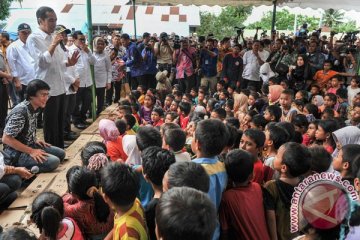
130 123
120 186
330 101
155 163
253 141
171 117
48 215
112 140
320 160
184 112
274 137
185 213
146 109
272 113
156 117
292 161
243 201
288 111
343 161
174 140
85 204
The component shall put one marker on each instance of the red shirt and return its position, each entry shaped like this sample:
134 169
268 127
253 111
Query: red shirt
158 123
258 172
184 121
242 212
115 150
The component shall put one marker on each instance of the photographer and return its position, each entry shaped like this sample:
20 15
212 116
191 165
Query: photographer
208 60
316 59
233 67
148 54
185 62
164 53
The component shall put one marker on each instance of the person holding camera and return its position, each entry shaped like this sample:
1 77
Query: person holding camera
208 60
164 53
185 62
148 80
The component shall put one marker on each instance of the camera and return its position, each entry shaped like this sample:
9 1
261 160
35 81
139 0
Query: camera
239 30
177 42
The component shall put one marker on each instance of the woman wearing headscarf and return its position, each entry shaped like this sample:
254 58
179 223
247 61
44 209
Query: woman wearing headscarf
274 94
240 102
345 136
299 74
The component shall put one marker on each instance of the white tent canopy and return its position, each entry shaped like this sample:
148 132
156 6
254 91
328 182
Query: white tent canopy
324 4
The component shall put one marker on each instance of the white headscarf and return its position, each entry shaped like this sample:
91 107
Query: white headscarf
345 136
131 149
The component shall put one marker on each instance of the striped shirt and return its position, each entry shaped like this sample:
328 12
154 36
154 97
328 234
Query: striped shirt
131 225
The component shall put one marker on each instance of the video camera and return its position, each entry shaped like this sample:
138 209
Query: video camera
239 30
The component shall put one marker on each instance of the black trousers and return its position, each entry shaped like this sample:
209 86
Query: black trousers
4 101
187 83
252 85
22 92
148 81
53 117
100 98
83 104
110 93
70 103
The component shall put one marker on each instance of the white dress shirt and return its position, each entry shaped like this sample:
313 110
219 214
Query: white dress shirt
252 66
50 69
82 67
102 69
20 62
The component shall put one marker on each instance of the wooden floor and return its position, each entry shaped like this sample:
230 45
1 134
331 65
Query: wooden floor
20 210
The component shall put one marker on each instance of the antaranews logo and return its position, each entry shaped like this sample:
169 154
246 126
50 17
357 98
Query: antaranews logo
321 200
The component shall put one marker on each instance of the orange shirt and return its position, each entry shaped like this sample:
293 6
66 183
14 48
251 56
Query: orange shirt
323 78
115 150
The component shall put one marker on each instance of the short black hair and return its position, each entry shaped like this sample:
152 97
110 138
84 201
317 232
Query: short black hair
126 108
130 120
350 152
257 136
125 36
313 109
188 174
5 35
259 121
288 92
233 121
121 126
220 112
212 135
239 165
41 13
90 149
332 97
34 86
148 136
185 107
300 120
175 138
155 162
76 34
320 159
185 213
289 128
342 93
120 183
233 136
159 111
17 233
278 135
275 111
297 159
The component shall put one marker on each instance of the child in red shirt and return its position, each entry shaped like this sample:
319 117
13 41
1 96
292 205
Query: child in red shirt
253 141
184 110
156 117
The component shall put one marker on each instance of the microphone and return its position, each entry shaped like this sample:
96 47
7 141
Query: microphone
35 170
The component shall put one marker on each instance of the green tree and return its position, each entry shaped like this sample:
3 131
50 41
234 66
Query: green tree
333 17
285 21
223 25
345 27
4 9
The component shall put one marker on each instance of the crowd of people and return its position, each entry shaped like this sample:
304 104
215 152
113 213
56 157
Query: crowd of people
208 139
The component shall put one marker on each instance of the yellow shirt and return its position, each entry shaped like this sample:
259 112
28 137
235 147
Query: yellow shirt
131 225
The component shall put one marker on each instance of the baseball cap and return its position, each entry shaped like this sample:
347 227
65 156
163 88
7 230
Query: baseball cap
146 34
24 26
61 28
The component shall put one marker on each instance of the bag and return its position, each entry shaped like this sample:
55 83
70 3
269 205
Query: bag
281 68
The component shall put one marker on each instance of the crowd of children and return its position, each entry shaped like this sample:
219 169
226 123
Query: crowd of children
197 166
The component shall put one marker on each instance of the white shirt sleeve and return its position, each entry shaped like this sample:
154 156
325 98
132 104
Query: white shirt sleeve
2 166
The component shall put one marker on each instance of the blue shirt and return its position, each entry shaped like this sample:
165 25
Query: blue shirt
150 63
218 180
208 63
146 193
134 61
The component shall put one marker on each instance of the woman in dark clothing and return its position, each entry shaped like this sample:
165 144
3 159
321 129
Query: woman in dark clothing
299 74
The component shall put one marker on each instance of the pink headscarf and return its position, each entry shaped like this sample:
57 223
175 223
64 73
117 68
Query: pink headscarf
108 130
274 93
240 102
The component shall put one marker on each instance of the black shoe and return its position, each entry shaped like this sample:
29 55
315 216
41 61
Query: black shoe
80 126
70 137
66 145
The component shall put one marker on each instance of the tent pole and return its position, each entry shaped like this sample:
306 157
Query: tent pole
134 10
90 40
273 16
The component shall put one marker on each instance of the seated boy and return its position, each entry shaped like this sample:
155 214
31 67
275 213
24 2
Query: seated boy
155 162
274 137
174 140
288 112
157 115
292 161
185 213
210 138
343 161
272 113
184 112
218 113
258 122
186 174
253 141
241 203
120 186
130 123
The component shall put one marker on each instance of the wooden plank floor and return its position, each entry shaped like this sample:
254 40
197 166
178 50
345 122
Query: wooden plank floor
20 210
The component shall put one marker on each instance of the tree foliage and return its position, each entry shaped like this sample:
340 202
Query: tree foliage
223 25
4 9
285 21
333 17
345 27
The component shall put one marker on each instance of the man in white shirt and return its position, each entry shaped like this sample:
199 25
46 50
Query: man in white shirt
252 60
50 66
20 62
82 70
